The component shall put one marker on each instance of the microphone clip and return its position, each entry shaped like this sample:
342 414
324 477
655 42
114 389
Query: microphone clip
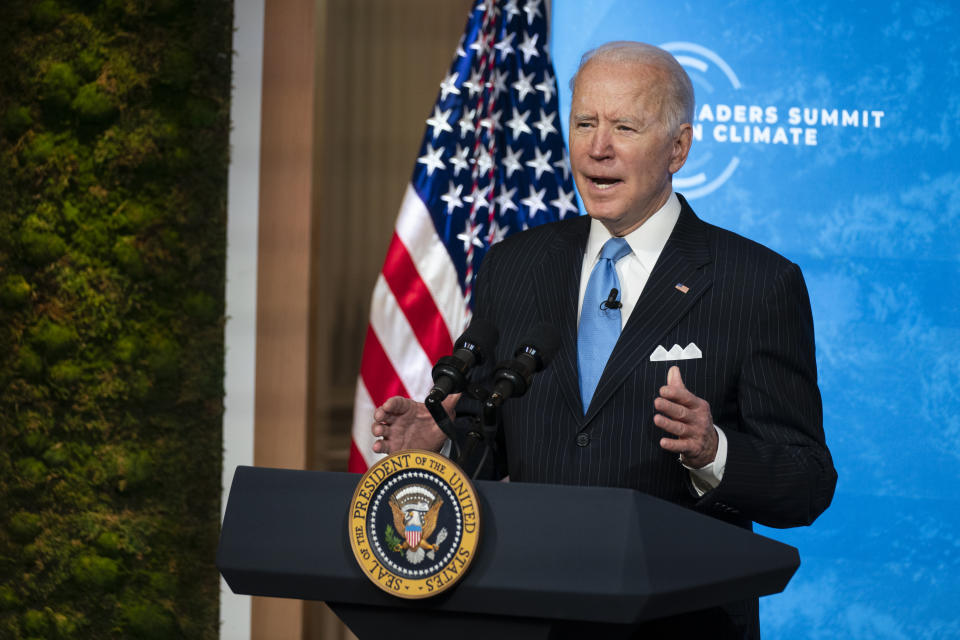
611 302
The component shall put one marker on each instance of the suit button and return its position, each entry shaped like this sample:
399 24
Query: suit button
583 439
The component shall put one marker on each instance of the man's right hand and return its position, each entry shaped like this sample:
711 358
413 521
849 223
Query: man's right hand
403 424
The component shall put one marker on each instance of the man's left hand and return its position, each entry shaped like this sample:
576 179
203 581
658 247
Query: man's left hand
687 417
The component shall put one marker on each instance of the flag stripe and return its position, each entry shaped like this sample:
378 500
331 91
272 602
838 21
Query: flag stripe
397 340
377 371
415 228
361 447
357 463
415 301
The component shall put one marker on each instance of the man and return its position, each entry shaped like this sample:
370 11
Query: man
730 422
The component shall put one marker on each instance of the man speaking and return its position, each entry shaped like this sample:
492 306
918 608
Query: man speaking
686 364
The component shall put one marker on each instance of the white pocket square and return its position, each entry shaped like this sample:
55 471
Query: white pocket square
690 352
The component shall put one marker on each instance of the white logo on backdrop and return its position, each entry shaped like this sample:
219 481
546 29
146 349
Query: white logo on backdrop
732 126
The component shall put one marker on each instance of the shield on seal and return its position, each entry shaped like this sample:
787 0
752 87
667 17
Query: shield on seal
413 533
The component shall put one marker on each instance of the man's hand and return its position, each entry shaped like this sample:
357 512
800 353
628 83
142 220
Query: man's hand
687 417
405 424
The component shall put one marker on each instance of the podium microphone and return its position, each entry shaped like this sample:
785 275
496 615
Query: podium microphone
450 372
470 350
512 378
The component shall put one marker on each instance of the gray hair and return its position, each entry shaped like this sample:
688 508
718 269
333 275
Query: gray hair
678 106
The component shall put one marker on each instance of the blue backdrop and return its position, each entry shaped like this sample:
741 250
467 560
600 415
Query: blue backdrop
826 132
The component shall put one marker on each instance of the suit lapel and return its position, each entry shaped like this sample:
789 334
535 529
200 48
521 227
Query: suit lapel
558 289
661 305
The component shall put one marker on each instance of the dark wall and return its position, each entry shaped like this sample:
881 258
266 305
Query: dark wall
113 162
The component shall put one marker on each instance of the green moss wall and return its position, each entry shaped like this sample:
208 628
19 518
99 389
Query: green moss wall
113 159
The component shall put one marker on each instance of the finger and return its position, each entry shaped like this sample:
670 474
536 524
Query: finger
673 445
679 429
692 427
673 377
382 415
378 429
380 446
672 410
679 394
393 406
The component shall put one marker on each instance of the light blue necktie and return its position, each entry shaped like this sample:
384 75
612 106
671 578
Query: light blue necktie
599 325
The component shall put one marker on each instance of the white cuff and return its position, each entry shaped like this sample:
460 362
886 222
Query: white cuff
448 444
709 476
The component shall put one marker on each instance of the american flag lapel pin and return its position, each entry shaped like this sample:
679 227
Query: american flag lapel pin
682 288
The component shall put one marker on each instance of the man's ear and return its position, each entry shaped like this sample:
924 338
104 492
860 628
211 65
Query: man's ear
681 147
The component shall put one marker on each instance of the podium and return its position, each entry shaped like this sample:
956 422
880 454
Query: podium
548 555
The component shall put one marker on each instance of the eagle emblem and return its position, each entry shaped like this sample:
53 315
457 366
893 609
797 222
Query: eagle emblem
415 508
424 542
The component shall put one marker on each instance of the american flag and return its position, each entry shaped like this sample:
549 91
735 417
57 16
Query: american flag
492 163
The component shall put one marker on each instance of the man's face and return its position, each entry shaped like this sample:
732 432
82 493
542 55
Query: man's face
620 151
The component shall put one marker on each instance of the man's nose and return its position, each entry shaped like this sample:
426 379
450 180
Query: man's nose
601 144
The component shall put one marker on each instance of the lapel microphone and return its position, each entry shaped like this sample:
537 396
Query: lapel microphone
611 302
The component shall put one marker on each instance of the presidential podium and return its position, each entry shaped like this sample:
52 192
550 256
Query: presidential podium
548 555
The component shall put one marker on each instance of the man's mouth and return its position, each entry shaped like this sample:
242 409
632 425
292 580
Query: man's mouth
604 183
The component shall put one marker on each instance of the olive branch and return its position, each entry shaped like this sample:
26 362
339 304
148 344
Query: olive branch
394 542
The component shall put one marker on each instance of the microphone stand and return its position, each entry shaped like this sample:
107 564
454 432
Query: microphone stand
489 424
442 420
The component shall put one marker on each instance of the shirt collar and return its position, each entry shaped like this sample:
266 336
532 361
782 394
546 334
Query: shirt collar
646 241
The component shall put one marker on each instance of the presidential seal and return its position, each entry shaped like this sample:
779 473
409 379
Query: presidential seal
414 524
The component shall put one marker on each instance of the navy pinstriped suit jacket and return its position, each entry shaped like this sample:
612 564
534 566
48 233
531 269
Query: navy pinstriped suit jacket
747 309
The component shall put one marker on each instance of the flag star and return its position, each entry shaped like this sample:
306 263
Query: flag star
545 124
534 202
466 122
484 5
532 9
484 161
529 47
460 52
492 122
505 199
452 197
511 161
499 82
511 9
523 85
448 86
540 163
474 85
459 160
518 124
547 86
470 236
432 159
564 164
505 46
479 198
479 44
439 121
497 233
564 202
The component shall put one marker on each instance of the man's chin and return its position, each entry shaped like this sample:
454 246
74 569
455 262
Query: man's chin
612 220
